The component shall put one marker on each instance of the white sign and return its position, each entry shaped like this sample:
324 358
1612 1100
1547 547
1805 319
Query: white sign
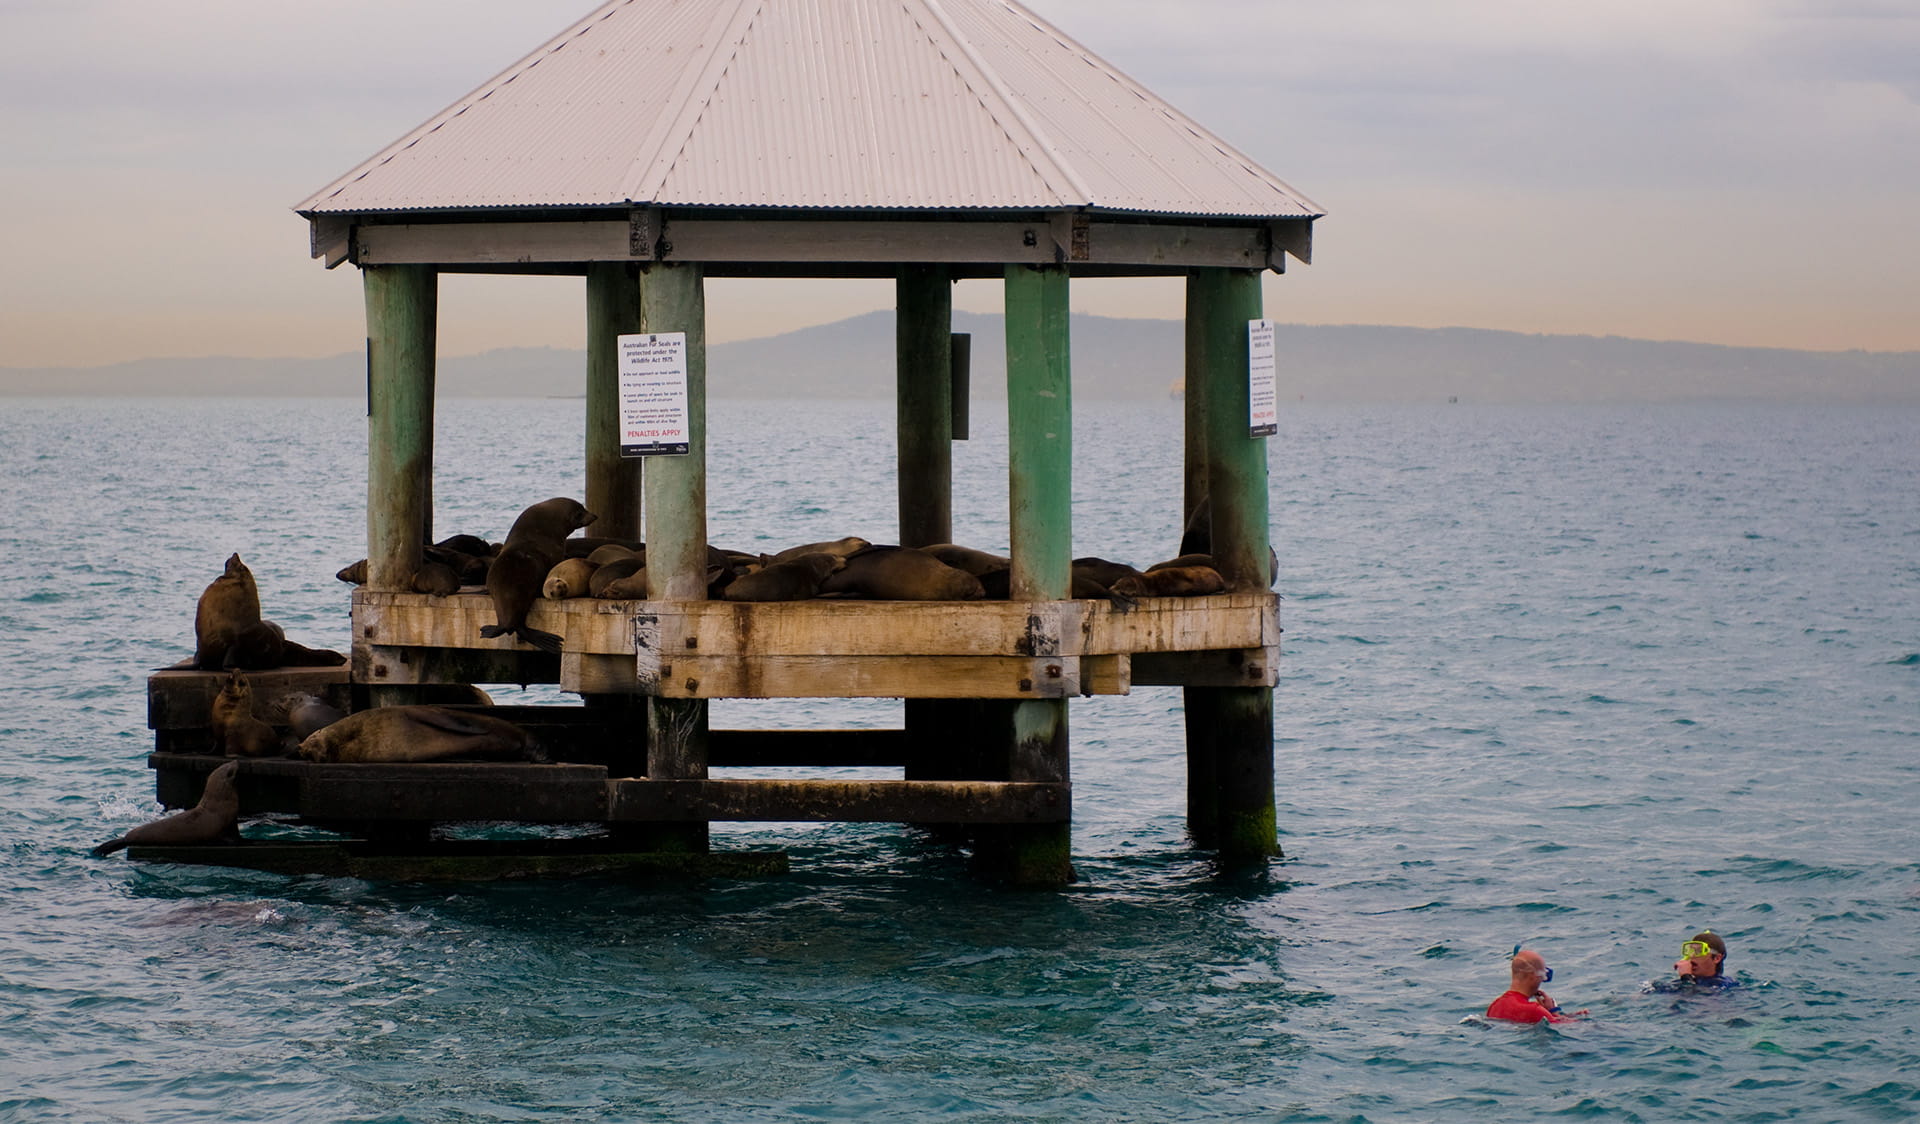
653 394
1263 417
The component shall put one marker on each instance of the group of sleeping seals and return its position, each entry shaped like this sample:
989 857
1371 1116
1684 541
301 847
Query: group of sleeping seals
228 631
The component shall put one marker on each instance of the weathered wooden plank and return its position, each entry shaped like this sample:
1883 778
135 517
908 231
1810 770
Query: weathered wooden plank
1174 624
455 621
1106 675
861 628
1238 667
863 677
1182 246
842 801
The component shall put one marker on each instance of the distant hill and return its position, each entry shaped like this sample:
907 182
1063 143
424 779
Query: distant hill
1112 359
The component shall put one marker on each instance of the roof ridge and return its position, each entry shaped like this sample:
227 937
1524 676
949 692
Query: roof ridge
991 77
694 93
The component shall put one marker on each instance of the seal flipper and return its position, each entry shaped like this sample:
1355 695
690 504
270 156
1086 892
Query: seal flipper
109 847
545 641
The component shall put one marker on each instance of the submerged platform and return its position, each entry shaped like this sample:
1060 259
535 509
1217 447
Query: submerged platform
468 860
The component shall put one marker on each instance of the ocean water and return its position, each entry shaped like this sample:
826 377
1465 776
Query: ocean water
1587 679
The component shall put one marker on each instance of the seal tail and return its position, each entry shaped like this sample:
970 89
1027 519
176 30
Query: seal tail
109 847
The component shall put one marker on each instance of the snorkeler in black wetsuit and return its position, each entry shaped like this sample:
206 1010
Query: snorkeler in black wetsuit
1701 965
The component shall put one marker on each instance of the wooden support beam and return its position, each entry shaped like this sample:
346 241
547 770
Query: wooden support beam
401 306
613 482
975 802
923 344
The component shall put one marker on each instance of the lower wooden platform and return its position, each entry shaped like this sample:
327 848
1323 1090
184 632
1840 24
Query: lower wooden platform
468 860
415 795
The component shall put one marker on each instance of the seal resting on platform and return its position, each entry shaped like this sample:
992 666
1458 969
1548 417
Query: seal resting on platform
236 732
1171 581
436 579
568 579
608 573
215 817
420 733
794 580
228 607
307 714
845 547
535 545
979 563
897 573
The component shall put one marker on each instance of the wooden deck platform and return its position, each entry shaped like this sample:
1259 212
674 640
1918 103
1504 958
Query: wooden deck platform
828 648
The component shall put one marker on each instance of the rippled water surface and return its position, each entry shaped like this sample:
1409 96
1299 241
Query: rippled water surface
1587 679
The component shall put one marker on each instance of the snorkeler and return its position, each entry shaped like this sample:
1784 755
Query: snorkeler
1702 965
1524 1002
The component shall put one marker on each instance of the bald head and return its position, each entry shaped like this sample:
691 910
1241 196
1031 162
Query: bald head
1529 971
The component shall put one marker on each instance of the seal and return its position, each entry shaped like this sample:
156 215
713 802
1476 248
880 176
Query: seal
228 607
846 547
215 817
999 586
979 563
1102 571
606 575
1171 581
236 732
534 546
897 573
436 579
420 733
355 574
307 714
614 552
567 579
794 580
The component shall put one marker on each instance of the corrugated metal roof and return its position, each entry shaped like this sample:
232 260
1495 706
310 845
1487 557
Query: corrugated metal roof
871 104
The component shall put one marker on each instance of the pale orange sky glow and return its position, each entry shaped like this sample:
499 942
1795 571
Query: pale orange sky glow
1728 171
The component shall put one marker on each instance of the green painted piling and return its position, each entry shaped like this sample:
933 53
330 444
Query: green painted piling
401 313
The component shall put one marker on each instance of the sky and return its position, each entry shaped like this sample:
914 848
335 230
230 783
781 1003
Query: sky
1740 172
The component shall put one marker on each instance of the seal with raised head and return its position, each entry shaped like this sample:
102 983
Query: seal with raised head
216 816
236 731
794 580
228 607
534 546
420 733
898 573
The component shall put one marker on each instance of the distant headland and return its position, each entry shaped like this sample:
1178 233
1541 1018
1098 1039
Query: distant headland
1113 359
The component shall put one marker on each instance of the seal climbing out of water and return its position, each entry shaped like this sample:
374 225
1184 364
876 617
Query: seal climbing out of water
897 573
228 607
216 816
795 580
420 733
236 732
534 546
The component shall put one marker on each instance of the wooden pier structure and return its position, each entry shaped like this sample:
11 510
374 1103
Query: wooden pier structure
1004 151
